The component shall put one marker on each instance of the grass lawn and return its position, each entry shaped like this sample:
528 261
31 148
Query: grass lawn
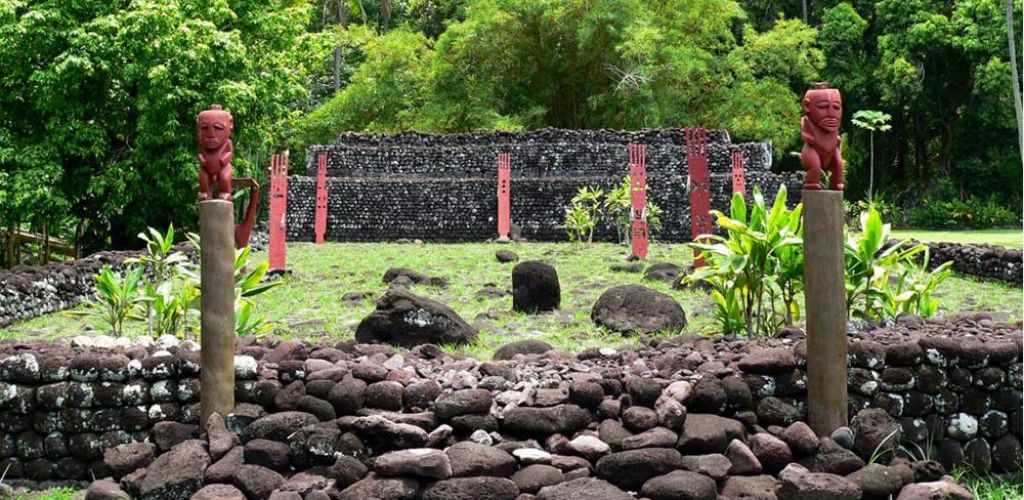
309 305
1010 238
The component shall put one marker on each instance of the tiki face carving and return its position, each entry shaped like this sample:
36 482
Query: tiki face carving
825 108
819 128
214 127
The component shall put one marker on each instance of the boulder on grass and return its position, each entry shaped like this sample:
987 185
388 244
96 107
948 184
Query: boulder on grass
663 271
408 320
535 287
637 309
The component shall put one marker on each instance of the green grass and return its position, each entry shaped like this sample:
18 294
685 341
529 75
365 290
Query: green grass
309 304
1008 487
1010 238
54 494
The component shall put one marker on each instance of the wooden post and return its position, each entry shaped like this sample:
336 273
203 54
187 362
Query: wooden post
826 310
504 196
217 308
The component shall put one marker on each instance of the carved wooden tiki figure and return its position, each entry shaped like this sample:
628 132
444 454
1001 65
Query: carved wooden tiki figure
819 128
214 127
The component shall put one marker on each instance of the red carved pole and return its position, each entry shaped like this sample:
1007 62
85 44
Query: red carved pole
638 198
278 208
738 177
700 184
504 195
320 222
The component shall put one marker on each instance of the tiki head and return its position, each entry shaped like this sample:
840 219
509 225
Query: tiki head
214 127
824 107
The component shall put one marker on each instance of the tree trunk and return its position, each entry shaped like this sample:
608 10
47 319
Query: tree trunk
805 10
10 246
871 173
1010 26
46 242
385 15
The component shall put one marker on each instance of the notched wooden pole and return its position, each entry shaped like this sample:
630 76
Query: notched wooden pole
217 314
824 283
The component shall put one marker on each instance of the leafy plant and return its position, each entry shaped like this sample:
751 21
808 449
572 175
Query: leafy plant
754 270
882 279
618 204
162 265
583 214
116 298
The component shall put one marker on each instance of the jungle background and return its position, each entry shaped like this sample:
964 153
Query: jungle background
98 98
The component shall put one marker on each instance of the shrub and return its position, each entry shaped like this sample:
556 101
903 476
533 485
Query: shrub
592 205
956 214
755 271
885 280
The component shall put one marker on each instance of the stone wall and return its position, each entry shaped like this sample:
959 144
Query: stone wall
953 389
443 188
985 262
30 291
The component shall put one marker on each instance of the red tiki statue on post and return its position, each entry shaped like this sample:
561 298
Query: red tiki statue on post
819 128
215 126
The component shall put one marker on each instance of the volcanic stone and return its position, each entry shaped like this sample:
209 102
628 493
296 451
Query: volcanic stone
800 484
278 426
585 487
346 471
219 492
703 433
630 469
405 319
637 309
874 432
535 287
177 473
771 452
510 350
752 487
545 421
380 488
879 481
421 462
532 478
126 458
466 401
680 485
256 481
471 488
472 459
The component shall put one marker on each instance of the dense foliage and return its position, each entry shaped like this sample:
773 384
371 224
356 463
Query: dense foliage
98 99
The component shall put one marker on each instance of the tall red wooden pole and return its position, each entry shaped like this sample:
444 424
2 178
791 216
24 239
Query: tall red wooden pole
278 209
700 184
739 184
638 199
320 222
504 196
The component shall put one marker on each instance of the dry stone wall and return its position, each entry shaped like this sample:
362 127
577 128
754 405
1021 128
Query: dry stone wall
443 187
951 388
986 262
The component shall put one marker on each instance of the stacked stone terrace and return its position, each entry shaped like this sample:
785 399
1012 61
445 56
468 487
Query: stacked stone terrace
443 187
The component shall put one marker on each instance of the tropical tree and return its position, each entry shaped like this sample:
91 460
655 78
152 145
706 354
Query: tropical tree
872 121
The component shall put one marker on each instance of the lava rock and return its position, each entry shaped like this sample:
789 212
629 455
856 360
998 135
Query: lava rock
584 487
630 469
535 287
546 421
471 488
637 309
510 350
405 319
680 485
